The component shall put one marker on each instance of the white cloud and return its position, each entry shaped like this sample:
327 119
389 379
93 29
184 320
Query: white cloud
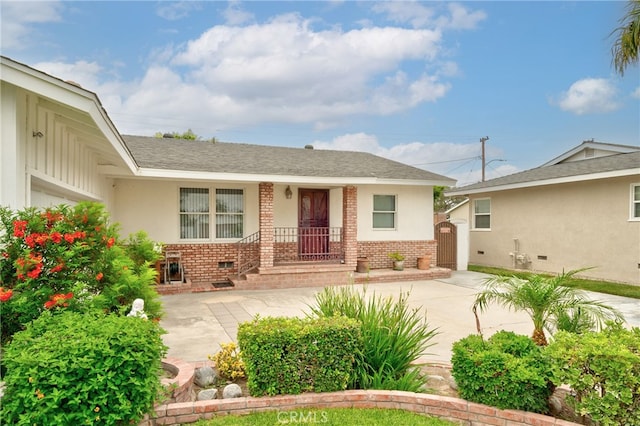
18 19
173 11
418 15
235 15
81 72
412 12
636 93
461 18
457 161
280 71
285 71
589 96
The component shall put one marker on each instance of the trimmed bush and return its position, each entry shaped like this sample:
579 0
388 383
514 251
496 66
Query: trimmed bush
394 334
603 371
293 355
507 371
75 369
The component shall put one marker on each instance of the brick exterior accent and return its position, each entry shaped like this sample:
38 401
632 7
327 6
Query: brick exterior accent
456 410
377 252
200 261
266 224
350 225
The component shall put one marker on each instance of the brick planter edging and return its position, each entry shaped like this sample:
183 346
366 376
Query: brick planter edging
454 409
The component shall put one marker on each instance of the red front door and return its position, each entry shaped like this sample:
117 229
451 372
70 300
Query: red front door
313 224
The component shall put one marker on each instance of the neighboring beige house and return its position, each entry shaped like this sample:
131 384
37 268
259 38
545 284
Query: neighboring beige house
579 210
290 216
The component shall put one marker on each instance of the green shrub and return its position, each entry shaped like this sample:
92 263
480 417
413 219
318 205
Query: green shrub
73 369
69 257
293 355
505 371
603 371
395 336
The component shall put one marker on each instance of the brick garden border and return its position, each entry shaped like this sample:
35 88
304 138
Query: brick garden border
454 409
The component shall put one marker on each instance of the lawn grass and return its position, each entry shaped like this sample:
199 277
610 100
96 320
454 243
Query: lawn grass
329 417
626 290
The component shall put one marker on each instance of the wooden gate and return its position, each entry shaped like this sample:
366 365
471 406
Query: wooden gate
446 236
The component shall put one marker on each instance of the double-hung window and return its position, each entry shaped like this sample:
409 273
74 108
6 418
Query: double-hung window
635 201
482 213
384 212
196 214
229 213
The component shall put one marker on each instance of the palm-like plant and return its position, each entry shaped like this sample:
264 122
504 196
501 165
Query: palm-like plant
545 300
626 47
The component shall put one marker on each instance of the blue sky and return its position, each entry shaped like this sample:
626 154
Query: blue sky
417 82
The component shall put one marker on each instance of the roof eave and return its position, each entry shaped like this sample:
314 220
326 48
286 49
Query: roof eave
542 182
77 97
288 179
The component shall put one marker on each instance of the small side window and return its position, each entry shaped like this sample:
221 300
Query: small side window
482 213
384 212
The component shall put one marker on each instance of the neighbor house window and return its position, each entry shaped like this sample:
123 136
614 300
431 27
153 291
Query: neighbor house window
635 201
194 213
482 214
384 211
229 213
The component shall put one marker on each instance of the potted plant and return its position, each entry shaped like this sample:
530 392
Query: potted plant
398 260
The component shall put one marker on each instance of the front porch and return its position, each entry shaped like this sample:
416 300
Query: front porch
313 254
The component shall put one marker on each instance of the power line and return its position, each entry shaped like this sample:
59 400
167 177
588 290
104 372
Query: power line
446 161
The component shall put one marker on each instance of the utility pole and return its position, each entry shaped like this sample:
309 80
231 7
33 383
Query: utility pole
482 141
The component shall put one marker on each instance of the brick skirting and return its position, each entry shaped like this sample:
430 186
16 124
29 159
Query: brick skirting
454 409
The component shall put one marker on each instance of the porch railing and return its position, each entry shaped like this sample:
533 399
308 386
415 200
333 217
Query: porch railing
293 244
248 253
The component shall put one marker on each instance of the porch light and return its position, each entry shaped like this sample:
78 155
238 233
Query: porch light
288 193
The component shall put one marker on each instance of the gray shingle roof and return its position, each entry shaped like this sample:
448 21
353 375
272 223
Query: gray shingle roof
611 163
220 157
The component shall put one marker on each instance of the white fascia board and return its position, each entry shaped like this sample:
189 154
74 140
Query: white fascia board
289 179
567 179
68 94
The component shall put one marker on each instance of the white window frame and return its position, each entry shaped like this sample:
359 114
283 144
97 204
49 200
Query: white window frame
392 212
212 213
633 202
222 214
475 215
187 213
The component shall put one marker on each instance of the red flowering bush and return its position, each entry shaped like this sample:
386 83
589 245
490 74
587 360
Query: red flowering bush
69 258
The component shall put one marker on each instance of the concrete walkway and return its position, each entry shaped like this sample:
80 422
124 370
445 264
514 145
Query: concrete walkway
197 323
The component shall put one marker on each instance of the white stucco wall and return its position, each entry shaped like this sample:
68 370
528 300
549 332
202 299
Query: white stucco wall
152 206
414 213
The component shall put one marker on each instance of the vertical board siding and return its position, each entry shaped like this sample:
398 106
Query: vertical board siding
60 154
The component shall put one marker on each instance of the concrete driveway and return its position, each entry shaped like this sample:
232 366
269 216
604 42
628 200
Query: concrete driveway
197 323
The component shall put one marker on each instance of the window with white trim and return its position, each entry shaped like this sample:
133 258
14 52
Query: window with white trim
635 201
482 213
229 213
384 212
196 216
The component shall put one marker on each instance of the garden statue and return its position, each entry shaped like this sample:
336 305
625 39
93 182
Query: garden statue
137 309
